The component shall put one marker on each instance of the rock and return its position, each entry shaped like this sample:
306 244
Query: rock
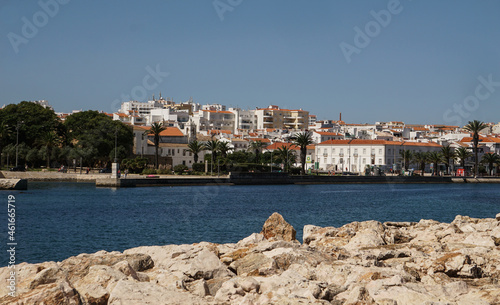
254 264
250 284
497 217
227 290
78 266
199 288
60 292
125 268
359 263
128 292
255 238
276 227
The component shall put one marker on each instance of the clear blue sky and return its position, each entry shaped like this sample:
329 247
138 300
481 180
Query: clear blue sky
284 52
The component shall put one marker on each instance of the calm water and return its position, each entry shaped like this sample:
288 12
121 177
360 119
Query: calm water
58 220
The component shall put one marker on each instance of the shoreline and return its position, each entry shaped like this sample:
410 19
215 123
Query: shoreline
358 263
135 180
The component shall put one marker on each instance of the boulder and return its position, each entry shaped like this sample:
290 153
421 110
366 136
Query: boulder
276 227
128 292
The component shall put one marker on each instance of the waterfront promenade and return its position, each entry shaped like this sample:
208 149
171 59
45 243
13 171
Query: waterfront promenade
135 180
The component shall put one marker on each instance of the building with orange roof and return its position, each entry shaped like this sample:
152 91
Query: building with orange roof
355 155
322 136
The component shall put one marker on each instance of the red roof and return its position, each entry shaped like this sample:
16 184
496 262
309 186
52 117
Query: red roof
278 145
214 131
324 133
376 142
169 132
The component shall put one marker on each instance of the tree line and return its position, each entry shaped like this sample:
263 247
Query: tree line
447 154
40 139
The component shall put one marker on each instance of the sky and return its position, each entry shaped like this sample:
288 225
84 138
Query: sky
421 62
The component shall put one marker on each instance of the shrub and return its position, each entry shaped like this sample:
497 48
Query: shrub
180 168
149 171
198 167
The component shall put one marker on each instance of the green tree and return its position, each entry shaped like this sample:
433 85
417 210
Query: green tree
475 127
256 147
447 153
406 155
461 154
421 159
48 141
34 122
213 147
491 159
195 148
155 130
91 131
435 158
223 148
285 156
302 140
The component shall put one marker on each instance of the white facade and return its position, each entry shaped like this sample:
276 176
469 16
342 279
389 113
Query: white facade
245 120
355 155
140 108
214 120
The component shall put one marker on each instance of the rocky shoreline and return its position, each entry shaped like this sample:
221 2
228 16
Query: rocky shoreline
359 263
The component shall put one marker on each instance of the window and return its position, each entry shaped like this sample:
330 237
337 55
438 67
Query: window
333 150
380 151
364 151
341 150
324 151
379 161
333 160
364 160
355 150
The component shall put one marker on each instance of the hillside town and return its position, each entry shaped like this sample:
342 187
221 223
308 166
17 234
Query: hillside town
337 146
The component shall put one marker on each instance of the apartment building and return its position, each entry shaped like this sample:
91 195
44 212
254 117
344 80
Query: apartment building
206 120
276 118
356 154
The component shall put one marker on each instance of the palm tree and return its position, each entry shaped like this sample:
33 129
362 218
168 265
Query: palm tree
447 153
435 157
223 148
49 140
213 147
195 148
491 159
155 130
407 156
421 159
302 140
462 153
287 156
475 127
257 146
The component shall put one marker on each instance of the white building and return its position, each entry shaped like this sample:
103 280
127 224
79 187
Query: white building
245 120
355 155
206 120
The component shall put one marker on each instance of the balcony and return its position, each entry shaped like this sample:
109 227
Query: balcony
325 155
341 154
355 155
